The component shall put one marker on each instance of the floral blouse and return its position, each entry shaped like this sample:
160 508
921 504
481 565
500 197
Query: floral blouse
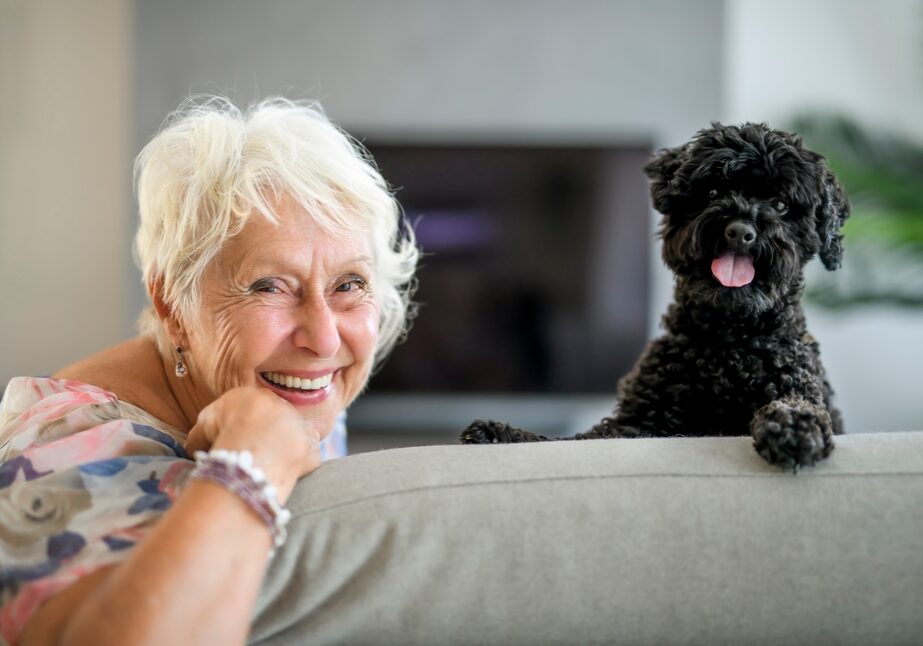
83 477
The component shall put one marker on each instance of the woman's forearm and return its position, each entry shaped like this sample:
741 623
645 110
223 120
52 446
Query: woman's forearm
193 580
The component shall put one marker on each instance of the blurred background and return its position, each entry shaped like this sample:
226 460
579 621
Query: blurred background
514 132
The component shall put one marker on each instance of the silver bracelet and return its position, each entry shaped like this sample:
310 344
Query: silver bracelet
235 471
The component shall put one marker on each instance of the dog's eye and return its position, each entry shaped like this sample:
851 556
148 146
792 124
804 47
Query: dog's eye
712 194
781 206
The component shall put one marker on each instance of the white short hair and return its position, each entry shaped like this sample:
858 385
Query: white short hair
212 165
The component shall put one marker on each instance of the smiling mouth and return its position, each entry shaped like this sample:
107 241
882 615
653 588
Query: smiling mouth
297 383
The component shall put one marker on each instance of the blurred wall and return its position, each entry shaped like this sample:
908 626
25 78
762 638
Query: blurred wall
65 213
860 57
441 67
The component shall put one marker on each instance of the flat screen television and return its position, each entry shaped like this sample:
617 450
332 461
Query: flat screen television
533 286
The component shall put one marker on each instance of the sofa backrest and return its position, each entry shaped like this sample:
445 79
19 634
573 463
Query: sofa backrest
634 541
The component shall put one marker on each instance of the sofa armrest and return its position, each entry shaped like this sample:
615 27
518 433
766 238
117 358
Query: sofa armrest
643 541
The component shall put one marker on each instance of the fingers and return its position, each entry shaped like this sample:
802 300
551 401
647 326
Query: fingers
283 443
202 435
197 440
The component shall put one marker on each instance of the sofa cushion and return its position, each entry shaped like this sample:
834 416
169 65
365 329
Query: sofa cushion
645 541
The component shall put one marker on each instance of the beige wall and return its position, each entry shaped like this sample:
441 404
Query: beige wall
65 194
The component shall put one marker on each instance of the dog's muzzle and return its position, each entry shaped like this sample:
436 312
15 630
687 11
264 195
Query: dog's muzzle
734 267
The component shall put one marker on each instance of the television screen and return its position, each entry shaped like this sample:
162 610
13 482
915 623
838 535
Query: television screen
534 275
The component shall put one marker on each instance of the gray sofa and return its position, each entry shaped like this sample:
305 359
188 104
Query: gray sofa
655 541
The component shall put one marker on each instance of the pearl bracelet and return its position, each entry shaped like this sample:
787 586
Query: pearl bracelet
235 471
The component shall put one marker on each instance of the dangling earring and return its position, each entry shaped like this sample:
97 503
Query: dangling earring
180 364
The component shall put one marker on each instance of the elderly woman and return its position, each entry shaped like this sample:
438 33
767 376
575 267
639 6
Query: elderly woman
143 488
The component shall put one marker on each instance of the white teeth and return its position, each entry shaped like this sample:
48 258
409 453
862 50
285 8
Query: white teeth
298 382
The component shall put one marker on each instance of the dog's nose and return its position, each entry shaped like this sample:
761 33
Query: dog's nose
740 235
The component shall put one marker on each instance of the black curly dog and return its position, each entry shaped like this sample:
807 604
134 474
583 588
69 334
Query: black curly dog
744 210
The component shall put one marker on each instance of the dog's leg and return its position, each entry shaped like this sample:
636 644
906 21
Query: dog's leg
610 427
491 432
792 433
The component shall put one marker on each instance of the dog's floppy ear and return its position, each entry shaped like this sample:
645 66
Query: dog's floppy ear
831 213
661 171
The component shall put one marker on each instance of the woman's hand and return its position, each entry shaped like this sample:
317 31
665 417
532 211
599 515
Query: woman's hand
284 444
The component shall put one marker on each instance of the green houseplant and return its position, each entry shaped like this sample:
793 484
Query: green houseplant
883 177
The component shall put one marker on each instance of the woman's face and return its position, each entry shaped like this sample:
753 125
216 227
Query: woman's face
290 308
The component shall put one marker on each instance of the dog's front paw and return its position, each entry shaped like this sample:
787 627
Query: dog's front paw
792 436
486 432
491 432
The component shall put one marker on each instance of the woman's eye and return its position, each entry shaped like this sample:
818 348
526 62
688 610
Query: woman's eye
265 286
352 285
781 206
713 193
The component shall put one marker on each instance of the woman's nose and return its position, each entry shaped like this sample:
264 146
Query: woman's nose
317 329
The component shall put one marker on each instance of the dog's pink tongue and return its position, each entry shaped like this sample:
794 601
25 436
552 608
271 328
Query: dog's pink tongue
733 270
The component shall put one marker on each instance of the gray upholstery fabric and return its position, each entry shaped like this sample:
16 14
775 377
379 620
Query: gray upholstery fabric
650 541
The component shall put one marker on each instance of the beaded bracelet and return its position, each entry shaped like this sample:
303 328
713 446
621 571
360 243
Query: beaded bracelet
235 471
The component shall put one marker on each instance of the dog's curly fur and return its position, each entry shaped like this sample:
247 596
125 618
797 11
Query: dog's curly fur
734 360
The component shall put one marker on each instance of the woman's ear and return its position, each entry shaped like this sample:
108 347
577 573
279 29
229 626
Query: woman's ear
167 313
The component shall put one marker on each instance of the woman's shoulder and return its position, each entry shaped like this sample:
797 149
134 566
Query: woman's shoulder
27 397
37 412
112 368
132 372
